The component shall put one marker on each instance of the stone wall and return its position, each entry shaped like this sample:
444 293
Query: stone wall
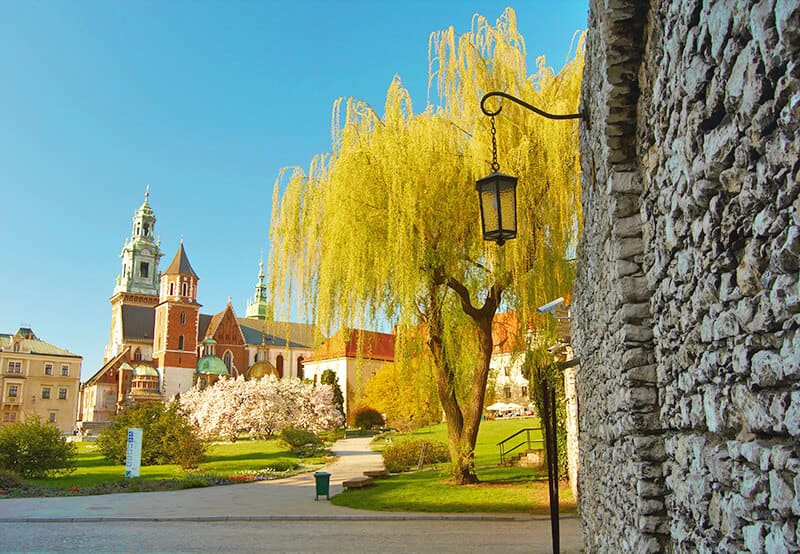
687 305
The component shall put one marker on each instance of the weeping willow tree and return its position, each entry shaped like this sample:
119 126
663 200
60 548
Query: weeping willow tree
387 228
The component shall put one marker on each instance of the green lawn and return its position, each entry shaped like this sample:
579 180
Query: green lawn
222 460
502 489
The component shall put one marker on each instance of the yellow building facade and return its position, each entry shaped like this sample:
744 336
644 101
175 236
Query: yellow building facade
38 378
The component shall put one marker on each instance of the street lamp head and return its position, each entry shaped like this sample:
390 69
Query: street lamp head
498 197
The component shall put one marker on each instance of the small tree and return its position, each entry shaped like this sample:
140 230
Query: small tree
167 435
329 377
34 449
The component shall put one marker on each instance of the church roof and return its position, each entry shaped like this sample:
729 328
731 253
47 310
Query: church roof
180 264
356 343
211 365
278 333
138 322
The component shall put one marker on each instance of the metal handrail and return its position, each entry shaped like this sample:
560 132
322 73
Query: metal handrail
528 441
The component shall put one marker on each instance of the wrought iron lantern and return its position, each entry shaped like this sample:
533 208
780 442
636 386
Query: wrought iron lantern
498 192
498 197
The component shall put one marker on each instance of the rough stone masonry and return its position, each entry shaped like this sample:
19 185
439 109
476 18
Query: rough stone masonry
686 313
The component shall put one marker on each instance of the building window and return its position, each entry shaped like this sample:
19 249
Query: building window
184 289
172 289
48 369
146 229
183 318
507 371
52 417
507 392
9 417
65 371
524 391
180 342
16 347
45 393
13 390
227 359
279 365
137 355
14 367
62 394
144 269
299 367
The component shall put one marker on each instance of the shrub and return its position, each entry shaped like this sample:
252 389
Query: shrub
10 479
367 418
167 436
402 456
35 449
297 438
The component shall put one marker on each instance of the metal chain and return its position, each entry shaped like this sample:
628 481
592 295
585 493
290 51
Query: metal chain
495 165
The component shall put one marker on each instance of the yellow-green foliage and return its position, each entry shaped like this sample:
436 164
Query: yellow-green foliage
358 235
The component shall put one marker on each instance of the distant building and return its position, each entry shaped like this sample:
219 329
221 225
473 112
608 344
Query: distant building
508 357
38 378
161 344
354 356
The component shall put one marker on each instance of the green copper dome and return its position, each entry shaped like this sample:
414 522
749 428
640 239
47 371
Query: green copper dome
211 365
144 371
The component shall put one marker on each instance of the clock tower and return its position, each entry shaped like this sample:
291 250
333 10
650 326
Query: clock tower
137 285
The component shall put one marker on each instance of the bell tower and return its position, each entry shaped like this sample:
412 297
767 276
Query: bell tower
140 254
137 284
177 317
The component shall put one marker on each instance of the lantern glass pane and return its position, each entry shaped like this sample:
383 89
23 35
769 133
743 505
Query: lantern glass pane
490 210
508 208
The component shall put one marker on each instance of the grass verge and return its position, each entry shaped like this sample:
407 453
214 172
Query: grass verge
501 490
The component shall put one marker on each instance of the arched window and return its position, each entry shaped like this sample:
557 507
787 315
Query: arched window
146 229
279 365
227 359
137 355
184 289
299 367
172 289
180 342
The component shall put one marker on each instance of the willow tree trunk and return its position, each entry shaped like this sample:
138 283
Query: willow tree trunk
463 421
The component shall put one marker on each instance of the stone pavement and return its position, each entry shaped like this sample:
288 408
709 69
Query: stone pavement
290 499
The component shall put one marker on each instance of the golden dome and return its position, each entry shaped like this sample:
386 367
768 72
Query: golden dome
261 369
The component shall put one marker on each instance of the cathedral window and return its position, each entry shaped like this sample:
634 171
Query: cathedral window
279 365
146 229
172 289
183 318
180 342
227 359
184 289
144 269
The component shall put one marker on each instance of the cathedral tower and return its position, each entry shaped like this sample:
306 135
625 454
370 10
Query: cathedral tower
137 285
258 308
177 317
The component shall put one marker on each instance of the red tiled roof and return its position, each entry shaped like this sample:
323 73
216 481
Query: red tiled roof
355 343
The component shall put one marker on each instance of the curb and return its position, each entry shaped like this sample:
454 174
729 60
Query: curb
411 517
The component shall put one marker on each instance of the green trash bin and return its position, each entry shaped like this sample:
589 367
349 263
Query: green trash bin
323 479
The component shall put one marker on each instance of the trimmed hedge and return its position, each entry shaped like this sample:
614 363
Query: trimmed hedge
404 455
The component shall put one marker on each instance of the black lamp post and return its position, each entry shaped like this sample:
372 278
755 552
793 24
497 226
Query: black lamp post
498 196
498 192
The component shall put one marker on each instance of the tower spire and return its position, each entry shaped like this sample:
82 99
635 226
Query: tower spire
141 254
258 307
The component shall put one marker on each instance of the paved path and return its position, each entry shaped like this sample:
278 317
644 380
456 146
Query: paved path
289 500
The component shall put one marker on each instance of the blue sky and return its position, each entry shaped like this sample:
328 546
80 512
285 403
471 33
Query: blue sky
206 102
